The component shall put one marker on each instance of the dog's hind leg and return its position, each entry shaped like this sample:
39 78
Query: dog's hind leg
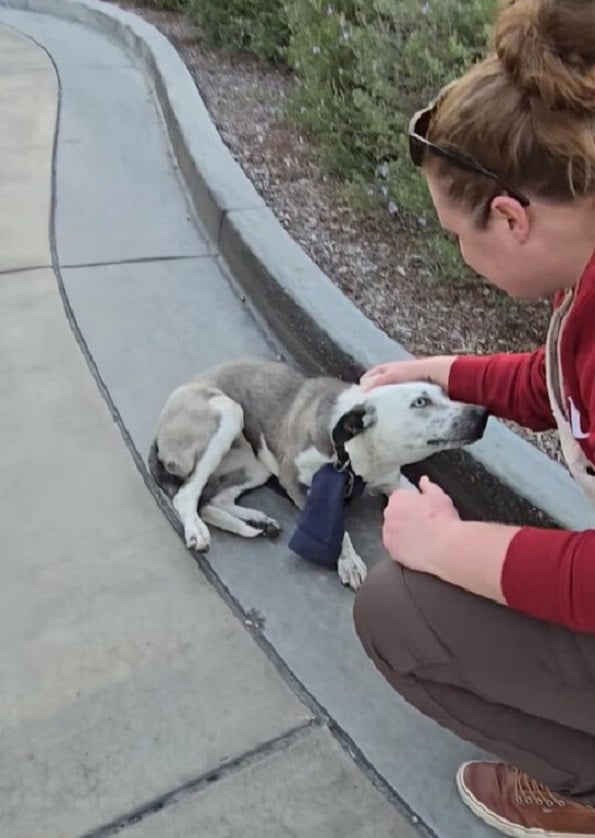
254 519
249 522
186 500
224 520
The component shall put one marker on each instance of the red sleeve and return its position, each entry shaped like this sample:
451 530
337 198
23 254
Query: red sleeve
511 386
550 574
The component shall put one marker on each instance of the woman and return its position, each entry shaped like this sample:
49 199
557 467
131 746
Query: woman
490 629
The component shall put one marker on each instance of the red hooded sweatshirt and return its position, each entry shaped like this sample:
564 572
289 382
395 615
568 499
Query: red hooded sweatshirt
548 574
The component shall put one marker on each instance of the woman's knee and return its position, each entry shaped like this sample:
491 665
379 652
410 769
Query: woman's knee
374 601
390 621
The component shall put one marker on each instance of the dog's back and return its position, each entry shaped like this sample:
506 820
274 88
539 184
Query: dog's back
266 391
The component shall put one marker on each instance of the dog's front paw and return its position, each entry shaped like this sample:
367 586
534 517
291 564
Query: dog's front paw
197 536
352 571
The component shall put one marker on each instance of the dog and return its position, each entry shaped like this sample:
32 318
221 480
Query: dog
236 425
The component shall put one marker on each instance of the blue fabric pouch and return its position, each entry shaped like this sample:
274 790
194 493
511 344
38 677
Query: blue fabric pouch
321 526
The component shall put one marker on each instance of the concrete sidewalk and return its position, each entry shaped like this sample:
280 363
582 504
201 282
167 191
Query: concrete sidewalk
133 694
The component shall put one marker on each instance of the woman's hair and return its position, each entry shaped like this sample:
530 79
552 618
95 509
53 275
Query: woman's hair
527 111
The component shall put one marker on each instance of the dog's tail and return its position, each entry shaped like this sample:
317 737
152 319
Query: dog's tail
167 482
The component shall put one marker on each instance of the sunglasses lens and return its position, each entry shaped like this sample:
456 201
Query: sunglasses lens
418 129
419 145
416 150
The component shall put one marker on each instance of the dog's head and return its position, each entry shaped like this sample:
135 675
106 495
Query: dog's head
392 426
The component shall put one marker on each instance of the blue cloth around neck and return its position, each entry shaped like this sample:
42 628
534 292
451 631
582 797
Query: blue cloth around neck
318 536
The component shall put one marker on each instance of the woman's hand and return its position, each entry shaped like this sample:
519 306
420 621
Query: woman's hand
415 523
423 531
436 370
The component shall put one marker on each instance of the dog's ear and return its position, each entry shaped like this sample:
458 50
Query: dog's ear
354 422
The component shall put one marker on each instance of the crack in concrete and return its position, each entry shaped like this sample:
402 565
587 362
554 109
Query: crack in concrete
140 260
174 796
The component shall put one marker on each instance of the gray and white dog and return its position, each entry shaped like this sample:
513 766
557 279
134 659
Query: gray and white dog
234 426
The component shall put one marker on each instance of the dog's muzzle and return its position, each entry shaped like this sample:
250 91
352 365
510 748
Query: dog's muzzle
468 428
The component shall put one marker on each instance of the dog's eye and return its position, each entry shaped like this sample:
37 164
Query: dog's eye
421 401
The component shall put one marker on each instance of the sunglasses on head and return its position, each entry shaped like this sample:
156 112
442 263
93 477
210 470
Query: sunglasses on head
419 145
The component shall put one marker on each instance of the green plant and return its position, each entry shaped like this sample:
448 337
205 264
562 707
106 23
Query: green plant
257 26
363 67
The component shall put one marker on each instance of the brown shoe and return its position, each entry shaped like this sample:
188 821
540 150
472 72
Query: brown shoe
515 804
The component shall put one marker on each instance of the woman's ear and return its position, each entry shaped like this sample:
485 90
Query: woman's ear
508 211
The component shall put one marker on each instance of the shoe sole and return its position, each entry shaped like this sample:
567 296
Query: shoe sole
503 826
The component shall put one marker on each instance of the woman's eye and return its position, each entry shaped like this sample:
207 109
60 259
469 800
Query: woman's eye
421 401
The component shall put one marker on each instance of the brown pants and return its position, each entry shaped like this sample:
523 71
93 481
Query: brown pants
519 688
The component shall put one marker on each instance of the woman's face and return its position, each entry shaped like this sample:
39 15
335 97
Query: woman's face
512 251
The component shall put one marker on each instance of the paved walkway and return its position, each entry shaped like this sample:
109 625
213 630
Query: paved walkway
126 679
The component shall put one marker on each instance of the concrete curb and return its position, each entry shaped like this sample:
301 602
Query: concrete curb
501 476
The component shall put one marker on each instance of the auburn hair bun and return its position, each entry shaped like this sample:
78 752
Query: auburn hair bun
548 49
